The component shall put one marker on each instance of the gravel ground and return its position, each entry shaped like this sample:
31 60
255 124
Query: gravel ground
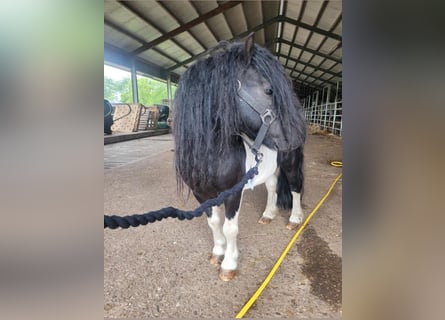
163 270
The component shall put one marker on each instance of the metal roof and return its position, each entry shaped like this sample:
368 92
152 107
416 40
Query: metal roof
165 37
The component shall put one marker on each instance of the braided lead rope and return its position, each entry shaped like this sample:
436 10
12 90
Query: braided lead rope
114 222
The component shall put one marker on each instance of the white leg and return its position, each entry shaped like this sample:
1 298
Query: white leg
230 229
297 213
215 224
271 206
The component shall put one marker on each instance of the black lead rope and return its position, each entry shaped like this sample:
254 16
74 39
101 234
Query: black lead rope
267 117
114 222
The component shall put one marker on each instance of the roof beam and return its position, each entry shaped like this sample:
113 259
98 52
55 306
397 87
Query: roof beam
227 22
333 27
304 83
122 58
280 35
315 52
312 80
309 75
140 16
322 61
240 36
314 29
162 4
205 22
221 8
123 31
300 15
258 27
269 10
293 70
254 29
309 37
135 37
307 64
329 70
182 63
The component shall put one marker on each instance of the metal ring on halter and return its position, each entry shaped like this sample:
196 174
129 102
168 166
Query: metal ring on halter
268 114
258 156
239 84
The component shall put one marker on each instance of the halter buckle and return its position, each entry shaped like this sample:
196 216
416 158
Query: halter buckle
268 116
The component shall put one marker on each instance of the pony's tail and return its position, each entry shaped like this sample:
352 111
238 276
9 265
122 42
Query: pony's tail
284 196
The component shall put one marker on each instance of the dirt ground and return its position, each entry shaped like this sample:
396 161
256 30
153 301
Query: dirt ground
163 270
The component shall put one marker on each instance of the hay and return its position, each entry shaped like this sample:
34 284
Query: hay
315 129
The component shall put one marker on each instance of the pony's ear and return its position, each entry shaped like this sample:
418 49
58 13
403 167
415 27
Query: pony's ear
248 48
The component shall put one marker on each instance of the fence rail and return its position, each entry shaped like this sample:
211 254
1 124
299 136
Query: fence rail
325 108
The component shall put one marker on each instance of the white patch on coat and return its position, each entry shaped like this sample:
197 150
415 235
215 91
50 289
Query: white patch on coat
266 172
267 166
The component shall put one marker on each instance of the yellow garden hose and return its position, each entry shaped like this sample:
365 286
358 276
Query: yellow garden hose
336 164
289 245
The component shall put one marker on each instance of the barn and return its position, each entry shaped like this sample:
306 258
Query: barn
162 269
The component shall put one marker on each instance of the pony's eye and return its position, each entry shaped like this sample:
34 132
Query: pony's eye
268 92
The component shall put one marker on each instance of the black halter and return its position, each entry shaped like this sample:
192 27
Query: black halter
266 114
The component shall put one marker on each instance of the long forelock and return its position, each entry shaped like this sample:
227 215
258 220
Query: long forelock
206 115
285 99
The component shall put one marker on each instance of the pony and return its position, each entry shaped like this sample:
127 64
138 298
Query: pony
220 105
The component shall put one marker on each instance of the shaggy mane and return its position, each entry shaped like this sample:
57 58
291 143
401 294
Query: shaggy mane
206 106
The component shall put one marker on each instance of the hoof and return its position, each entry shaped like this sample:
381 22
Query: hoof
292 225
264 220
227 275
215 260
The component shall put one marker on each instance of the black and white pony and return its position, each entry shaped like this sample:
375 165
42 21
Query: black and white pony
219 106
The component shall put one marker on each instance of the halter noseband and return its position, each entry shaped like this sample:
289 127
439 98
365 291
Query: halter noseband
266 114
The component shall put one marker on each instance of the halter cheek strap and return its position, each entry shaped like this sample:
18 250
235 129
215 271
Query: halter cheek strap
266 114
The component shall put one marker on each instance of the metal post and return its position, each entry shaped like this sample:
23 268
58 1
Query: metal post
328 106
326 101
335 116
134 82
169 88
341 123
317 93
311 111
280 26
335 110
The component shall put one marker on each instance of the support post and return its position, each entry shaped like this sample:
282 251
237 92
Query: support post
169 88
335 110
134 82
317 108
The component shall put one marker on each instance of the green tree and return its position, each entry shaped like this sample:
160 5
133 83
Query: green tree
111 92
117 90
150 91
125 91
